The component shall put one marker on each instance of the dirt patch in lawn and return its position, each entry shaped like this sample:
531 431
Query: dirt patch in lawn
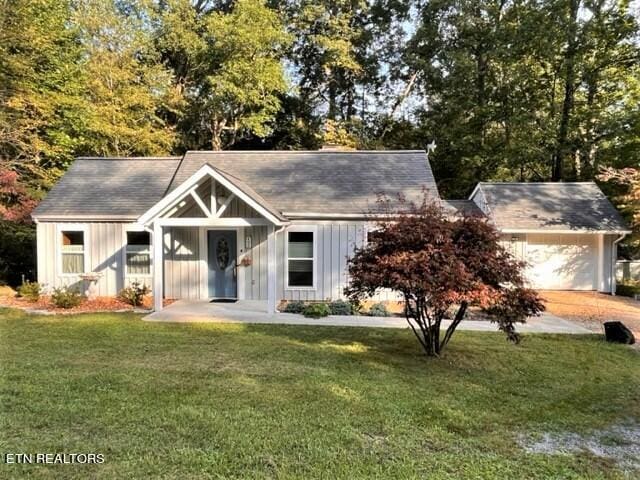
618 443
592 309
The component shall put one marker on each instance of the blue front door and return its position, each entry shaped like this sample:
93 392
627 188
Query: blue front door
221 245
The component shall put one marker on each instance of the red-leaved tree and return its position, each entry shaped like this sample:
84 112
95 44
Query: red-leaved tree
438 262
15 202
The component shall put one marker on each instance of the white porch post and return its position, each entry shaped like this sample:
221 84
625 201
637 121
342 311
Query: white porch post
158 243
271 270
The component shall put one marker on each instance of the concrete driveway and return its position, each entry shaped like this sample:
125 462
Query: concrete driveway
185 311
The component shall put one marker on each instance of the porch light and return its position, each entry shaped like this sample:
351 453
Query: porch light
247 242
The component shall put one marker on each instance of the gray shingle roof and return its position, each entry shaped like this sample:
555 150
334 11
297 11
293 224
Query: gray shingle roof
551 206
252 193
325 182
109 188
463 207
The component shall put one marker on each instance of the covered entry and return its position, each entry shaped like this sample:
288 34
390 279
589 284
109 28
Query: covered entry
207 225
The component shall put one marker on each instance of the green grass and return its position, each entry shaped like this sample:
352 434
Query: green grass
259 401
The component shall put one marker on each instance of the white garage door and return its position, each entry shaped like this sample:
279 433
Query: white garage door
562 262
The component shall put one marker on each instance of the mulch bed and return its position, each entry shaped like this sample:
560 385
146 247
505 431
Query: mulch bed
100 304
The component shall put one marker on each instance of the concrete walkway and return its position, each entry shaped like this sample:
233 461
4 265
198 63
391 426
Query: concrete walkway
185 311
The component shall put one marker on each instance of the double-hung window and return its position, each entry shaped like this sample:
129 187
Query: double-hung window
138 253
72 251
300 259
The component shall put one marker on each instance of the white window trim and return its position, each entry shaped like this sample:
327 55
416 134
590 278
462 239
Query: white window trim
136 228
72 227
301 228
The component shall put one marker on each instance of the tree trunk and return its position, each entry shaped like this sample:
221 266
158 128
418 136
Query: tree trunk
333 94
217 127
569 93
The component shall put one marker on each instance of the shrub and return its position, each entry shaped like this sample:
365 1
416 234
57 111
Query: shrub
134 294
64 297
294 307
628 289
378 310
30 290
316 310
340 307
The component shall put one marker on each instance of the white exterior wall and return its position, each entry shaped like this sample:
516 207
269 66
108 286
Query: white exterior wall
182 263
185 259
104 253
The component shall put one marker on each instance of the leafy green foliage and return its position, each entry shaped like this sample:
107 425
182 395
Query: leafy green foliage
134 294
229 60
126 86
30 290
17 252
378 310
66 297
340 307
628 288
525 90
316 310
41 88
294 307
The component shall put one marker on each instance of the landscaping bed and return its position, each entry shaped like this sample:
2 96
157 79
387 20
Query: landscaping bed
8 298
269 401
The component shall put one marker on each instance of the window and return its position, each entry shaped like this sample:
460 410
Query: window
138 253
373 236
300 259
72 252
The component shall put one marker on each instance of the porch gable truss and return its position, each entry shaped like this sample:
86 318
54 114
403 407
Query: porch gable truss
190 190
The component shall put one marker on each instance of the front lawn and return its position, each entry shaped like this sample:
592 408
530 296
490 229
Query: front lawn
260 401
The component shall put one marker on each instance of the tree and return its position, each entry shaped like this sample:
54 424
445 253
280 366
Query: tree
228 67
126 86
628 200
524 90
16 203
437 263
41 89
17 234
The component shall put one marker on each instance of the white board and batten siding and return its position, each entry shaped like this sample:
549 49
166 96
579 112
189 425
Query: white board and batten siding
335 242
564 261
185 261
104 253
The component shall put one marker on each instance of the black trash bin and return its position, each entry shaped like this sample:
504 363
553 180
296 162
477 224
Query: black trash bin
617 332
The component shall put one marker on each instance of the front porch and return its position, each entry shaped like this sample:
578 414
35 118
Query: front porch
214 237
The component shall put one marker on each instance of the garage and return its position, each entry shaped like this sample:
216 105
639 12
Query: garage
567 233
562 262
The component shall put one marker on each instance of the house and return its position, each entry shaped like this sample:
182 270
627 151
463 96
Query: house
273 225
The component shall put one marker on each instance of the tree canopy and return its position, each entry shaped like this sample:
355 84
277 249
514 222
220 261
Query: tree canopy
438 263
